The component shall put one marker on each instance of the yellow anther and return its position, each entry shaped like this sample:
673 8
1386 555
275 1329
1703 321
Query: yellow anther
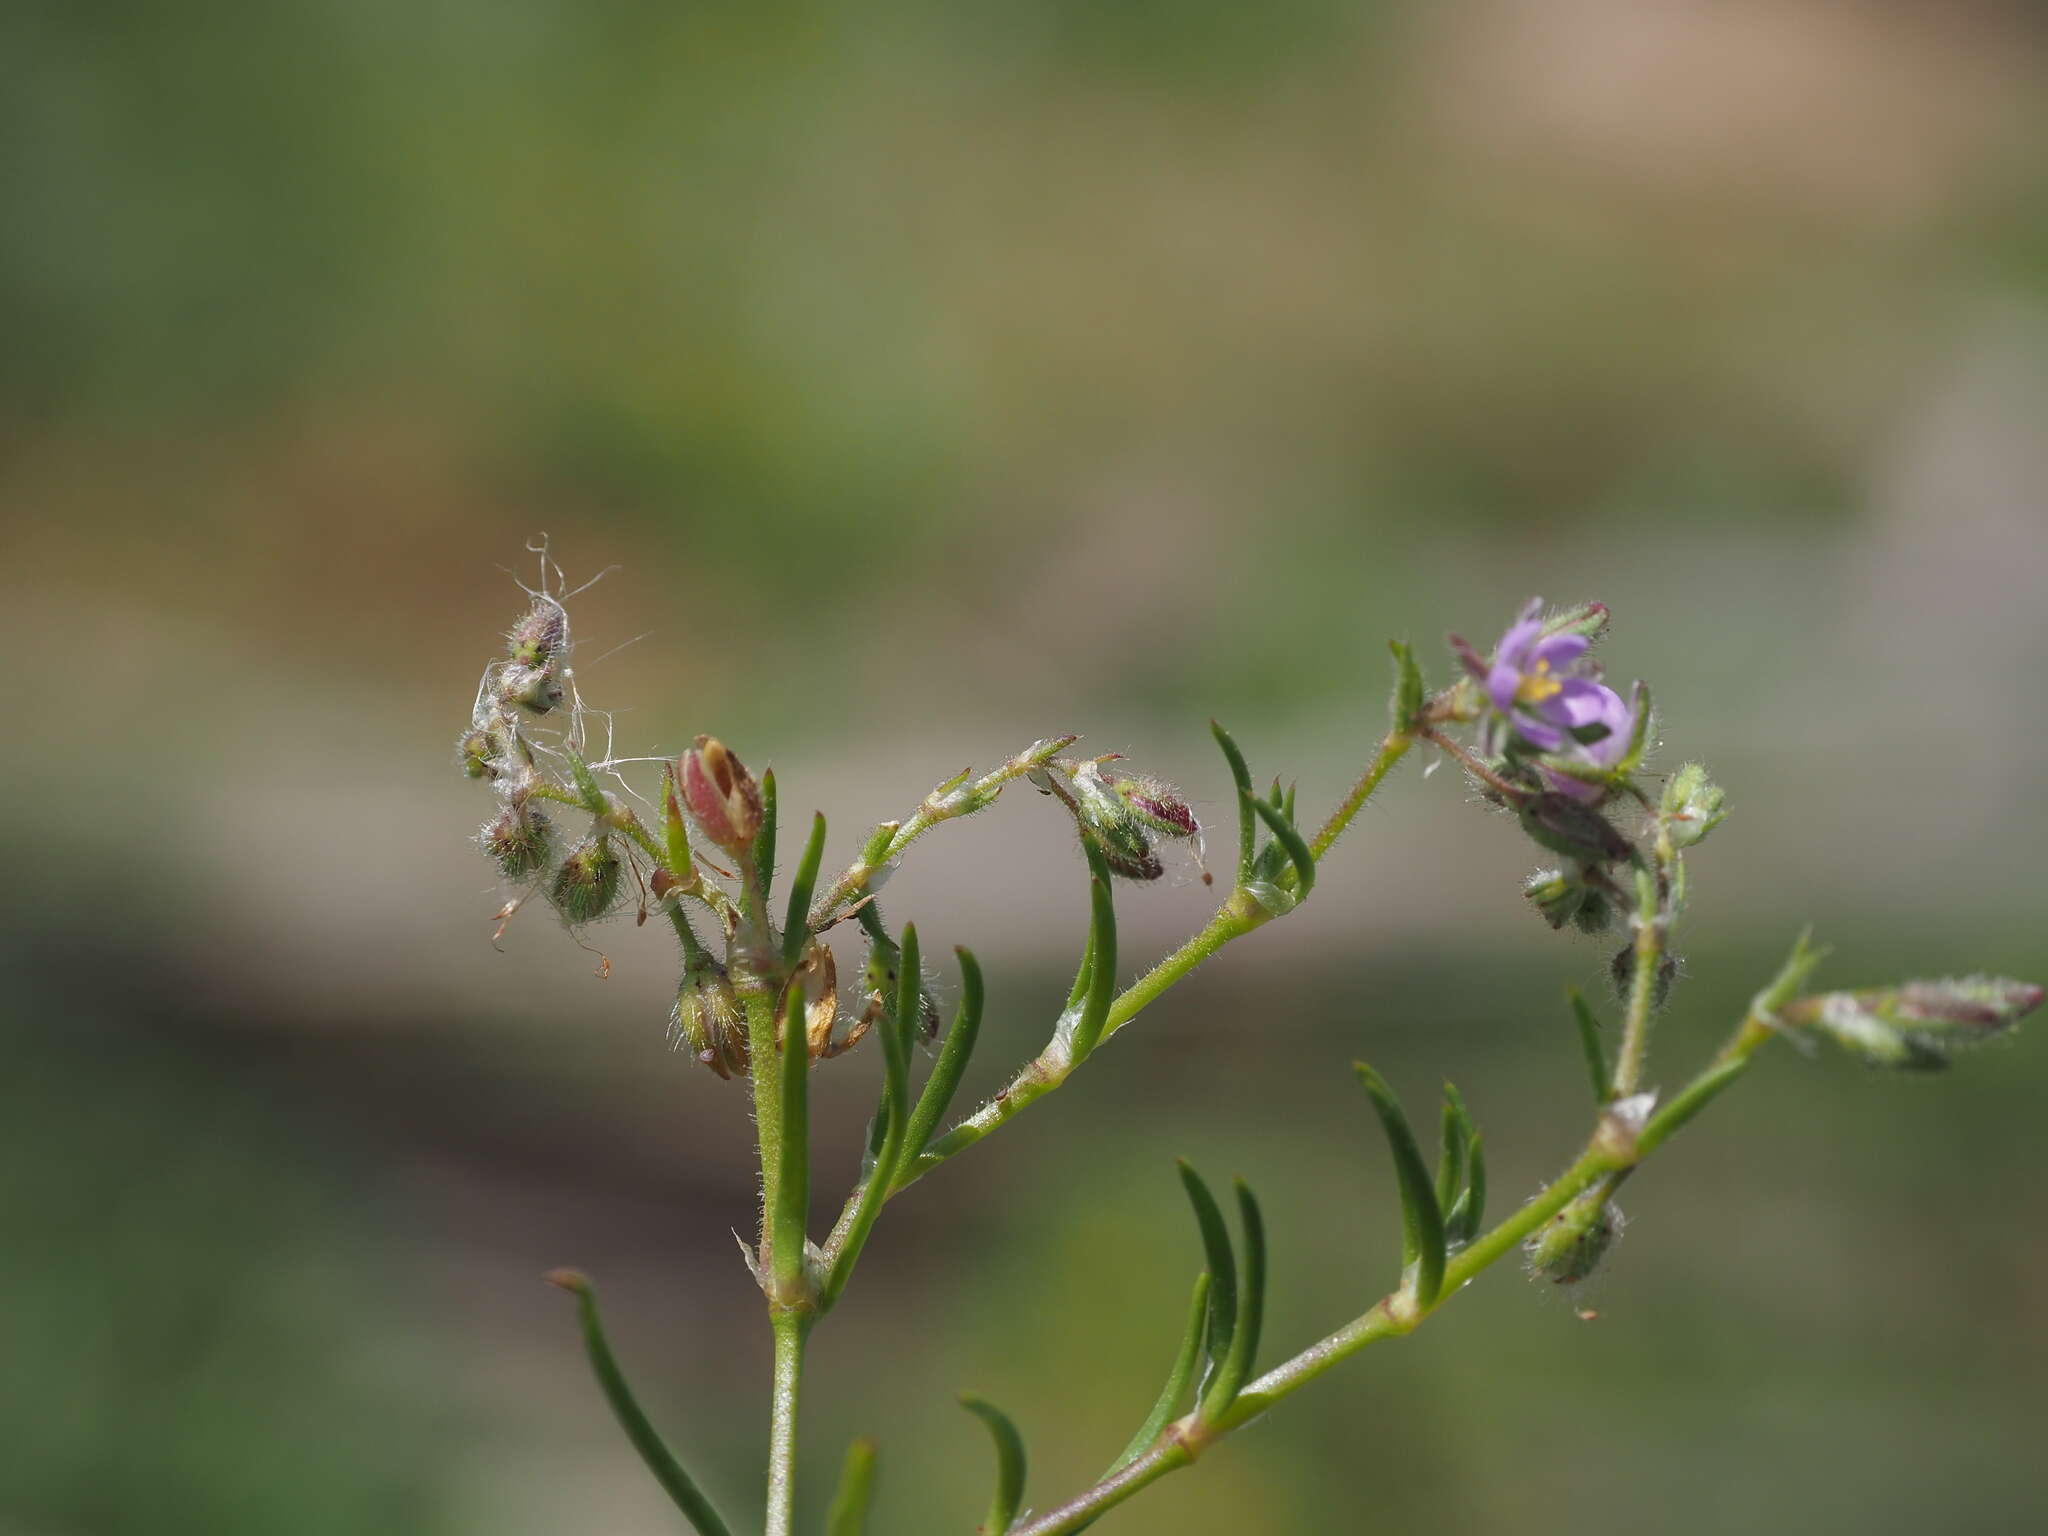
1537 685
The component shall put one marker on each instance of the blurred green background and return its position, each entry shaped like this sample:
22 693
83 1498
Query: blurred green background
940 376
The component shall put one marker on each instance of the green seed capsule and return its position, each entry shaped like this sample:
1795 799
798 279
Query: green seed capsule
519 842
588 882
1569 1247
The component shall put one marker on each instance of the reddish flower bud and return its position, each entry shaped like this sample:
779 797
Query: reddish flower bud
724 798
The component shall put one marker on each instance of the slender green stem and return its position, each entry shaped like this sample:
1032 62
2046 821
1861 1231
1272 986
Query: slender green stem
1652 925
1392 750
791 1195
952 799
1610 1155
1038 1077
791 1330
1238 916
766 1077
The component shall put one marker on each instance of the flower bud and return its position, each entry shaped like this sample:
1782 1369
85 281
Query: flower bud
1570 827
1692 805
1155 803
587 884
1569 1247
1918 1026
533 689
720 793
1556 899
1588 620
1561 897
519 841
537 637
1107 819
708 1020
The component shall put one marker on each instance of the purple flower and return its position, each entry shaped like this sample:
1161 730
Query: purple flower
1539 690
1619 716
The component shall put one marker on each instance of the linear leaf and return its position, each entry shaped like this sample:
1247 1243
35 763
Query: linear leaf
1288 838
1009 1491
1251 1307
849 1516
796 927
1241 775
944 1081
1222 1262
1589 1042
646 1440
1422 1221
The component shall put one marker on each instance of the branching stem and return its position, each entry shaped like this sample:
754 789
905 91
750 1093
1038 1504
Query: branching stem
1607 1156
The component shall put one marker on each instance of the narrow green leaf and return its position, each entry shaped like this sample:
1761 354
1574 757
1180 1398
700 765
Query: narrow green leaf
796 927
894 1116
626 1408
1177 1379
586 783
1589 1042
1461 1218
1475 1187
1639 738
878 842
944 1081
849 1516
1101 970
1236 1369
1222 1262
1241 775
1798 968
1084 973
1002 1508
764 840
1422 1222
1268 862
1450 1163
1297 847
792 1193
1408 690
1276 797
682 863
1287 805
1461 1221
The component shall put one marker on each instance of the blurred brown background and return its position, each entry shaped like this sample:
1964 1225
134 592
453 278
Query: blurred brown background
941 376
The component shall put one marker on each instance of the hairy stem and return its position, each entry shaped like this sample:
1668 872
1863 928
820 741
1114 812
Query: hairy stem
763 1074
791 1330
953 799
1392 750
1238 915
1652 927
1051 1067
